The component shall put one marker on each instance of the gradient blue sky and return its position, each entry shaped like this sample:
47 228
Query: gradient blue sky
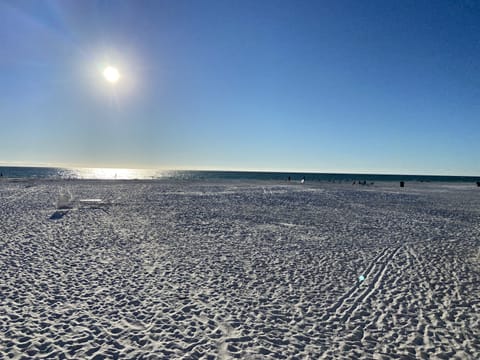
342 86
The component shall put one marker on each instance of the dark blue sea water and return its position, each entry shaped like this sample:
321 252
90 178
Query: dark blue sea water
143 174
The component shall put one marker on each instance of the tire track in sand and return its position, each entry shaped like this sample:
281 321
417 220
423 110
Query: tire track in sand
352 293
349 303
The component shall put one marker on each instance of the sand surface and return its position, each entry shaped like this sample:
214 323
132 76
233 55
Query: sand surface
248 270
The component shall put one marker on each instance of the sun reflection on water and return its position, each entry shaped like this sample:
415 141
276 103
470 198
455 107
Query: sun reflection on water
117 174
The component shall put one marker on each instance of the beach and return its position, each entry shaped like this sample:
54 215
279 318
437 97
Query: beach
239 270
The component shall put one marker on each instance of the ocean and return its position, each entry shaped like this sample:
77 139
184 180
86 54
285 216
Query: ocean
149 174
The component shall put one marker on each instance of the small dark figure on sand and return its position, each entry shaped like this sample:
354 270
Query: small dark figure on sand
478 183
289 178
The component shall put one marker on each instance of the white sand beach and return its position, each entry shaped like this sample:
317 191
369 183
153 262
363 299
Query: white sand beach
238 270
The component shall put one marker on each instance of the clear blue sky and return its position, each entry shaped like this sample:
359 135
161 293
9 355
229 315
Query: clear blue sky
344 86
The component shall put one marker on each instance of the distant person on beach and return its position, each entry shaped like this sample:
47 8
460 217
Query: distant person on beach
303 180
289 178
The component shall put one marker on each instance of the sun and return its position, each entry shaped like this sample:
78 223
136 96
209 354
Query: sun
111 74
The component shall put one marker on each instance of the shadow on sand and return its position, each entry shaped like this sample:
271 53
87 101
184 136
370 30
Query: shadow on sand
58 214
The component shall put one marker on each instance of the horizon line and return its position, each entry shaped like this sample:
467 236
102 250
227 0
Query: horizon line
213 169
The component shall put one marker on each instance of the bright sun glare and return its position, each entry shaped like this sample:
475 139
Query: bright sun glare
111 74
